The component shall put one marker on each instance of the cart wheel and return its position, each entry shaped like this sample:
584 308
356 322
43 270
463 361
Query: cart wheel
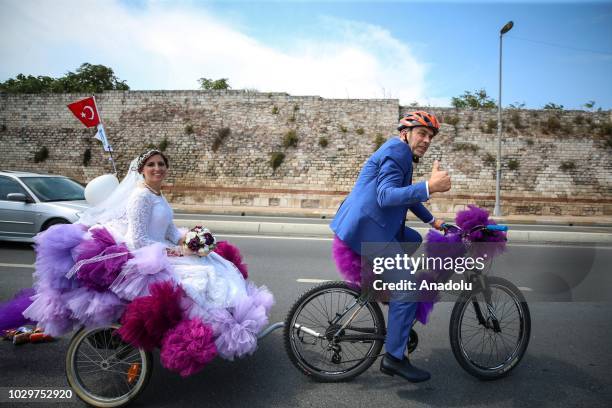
104 371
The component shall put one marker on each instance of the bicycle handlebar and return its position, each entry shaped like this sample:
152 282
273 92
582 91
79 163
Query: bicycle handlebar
447 226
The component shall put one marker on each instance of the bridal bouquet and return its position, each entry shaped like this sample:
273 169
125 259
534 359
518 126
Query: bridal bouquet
200 240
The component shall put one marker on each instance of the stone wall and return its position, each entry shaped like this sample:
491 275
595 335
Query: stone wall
220 144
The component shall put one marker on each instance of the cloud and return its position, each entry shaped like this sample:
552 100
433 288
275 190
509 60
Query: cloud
170 45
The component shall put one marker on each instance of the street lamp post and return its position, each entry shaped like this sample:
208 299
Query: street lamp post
497 210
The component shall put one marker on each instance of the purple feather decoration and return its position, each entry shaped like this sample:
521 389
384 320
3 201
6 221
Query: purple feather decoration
11 312
347 261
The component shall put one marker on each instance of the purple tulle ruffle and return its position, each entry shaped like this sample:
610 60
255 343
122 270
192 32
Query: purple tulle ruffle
237 330
148 266
11 312
109 258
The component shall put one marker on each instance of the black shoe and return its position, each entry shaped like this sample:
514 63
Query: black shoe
392 366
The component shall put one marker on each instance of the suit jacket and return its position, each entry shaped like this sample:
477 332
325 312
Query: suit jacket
376 208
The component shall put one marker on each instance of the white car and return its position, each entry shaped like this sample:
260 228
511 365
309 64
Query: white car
31 203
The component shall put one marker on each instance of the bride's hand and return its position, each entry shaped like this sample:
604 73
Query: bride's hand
176 251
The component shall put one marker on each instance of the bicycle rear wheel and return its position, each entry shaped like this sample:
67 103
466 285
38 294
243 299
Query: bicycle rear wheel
310 328
489 339
104 371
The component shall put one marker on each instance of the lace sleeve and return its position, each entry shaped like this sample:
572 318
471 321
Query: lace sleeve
138 211
173 234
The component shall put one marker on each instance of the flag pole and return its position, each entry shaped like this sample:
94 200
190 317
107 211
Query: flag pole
110 149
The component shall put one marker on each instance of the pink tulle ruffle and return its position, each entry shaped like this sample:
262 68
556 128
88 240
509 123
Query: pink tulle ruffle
147 318
188 347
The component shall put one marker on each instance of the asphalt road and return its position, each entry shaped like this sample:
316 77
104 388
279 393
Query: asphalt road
567 363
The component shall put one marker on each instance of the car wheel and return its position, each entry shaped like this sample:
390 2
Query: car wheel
52 222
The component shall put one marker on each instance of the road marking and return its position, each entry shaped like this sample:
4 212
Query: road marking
576 245
308 280
9 265
525 289
274 237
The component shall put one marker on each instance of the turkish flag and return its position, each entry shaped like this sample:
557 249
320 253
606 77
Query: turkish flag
86 111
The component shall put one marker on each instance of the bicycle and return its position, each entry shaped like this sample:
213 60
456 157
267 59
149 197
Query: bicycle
334 333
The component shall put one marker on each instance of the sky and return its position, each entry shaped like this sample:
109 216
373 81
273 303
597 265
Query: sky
416 51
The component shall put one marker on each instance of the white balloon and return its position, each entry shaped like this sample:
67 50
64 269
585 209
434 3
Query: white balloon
100 188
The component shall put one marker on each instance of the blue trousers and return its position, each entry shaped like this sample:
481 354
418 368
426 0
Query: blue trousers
401 314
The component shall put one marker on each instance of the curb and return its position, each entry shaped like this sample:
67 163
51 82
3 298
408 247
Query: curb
322 230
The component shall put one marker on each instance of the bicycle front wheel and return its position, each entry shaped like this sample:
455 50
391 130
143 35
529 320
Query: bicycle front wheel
489 339
330 336
104 371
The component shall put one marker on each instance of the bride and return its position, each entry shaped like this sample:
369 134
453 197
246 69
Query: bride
126 261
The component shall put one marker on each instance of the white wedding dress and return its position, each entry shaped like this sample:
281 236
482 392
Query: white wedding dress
210 281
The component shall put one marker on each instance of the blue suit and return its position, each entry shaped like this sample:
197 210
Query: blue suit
375 211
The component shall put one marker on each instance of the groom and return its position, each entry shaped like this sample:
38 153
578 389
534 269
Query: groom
376 209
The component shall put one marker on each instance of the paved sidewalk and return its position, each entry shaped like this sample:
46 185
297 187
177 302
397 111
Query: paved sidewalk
521 230
604 221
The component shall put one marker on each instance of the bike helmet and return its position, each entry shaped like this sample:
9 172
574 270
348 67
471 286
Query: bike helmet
419 118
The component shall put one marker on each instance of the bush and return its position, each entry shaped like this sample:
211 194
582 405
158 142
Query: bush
513 164
86 157
290 139
567 166
516 121
360 131
579 119
276 159
491 126
343 129
323 142
296 107
452 120
41 155
275 110
529 142
489 159
189 129
3 128
551 125
163 145
379 140
222 134
605 129
465 147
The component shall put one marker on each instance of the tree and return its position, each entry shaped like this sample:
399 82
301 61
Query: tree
208 84
517 105
590 105
477 100
88 78
553 106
